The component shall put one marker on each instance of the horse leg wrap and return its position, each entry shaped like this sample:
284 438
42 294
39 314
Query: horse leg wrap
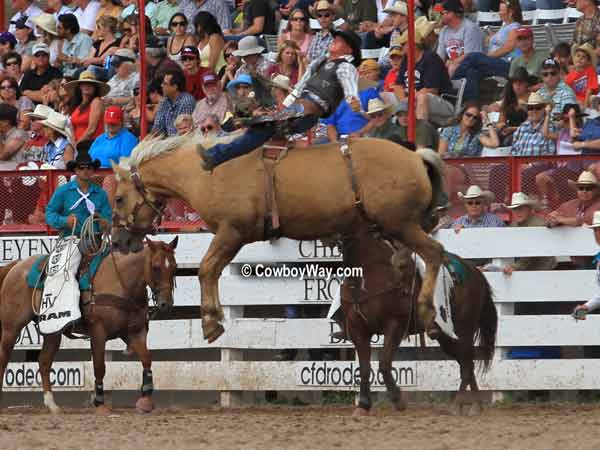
99 395
147 384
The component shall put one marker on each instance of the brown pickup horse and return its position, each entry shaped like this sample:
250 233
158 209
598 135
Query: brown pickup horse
384 303
319 193
119 309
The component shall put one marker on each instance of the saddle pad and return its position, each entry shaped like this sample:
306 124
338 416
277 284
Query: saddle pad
60 300
441 297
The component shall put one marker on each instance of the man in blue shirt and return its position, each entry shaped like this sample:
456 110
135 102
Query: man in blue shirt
117 142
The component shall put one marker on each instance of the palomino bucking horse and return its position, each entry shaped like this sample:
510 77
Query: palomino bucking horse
118 308
319 192
385 304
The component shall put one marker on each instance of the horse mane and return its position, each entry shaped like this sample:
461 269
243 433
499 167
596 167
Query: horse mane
154 146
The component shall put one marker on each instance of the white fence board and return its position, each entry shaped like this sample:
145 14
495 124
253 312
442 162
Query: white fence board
315 375
514 331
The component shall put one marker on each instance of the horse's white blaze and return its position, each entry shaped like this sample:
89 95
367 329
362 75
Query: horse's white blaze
50 403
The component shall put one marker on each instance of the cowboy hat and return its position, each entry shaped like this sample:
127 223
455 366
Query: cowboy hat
536 99
376 105
425 26
595 221
324 5
241 79
83 159
88 77
475 191
521 199
589 50
59 123
282 82
41 112
419 38
397 7
354 42
248 45
585 179
46 22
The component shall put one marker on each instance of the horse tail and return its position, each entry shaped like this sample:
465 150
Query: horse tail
488 324
435 170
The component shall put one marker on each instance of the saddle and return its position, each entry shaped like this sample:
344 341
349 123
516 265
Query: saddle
272 152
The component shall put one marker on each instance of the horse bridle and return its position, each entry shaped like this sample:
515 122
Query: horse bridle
156 203
156 289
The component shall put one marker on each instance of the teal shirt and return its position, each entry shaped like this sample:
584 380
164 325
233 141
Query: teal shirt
65 197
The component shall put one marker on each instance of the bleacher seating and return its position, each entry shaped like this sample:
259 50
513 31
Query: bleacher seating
560 32
459 86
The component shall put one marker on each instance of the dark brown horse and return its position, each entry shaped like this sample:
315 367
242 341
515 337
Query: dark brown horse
118 309
384 302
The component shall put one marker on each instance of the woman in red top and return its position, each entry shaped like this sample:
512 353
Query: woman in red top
289 63
88 116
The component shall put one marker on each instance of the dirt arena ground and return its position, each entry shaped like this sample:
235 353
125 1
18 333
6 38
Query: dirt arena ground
514 426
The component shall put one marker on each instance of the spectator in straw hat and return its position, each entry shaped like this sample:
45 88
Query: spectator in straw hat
594 303
476 201
390 29
523 208
530 139
583 78
580 210
252 60
45 25
59 148
116 142
380 126
280 90
325 14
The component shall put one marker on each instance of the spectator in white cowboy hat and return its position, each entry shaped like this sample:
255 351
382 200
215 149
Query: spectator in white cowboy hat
387 32
529 139
580 210
46 28
476 200
580 311
124 80
523 208
59 148
379 125
281 89
252 61
34 80
325 13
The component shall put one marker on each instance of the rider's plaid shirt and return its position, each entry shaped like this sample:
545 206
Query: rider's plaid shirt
319 46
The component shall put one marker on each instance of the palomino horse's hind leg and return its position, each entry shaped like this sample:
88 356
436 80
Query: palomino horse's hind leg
393 335
98 341
221 251
413 236
45 360
137 343
362 343
7 343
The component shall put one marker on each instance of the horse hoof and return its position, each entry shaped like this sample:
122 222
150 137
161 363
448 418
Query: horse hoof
103 411
214 334
144 405
361 412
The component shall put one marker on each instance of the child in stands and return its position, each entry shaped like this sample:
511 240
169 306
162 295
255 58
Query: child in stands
582 78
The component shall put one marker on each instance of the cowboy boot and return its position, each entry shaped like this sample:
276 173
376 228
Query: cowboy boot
208 163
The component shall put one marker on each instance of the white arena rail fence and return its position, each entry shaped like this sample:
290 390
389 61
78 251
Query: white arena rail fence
232 374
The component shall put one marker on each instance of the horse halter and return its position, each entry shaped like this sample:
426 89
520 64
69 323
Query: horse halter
157 204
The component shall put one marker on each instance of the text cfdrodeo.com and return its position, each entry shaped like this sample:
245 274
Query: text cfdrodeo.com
302 272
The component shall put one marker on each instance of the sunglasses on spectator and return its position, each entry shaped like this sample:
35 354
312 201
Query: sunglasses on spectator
189 58
298 19
178 24
40 54
552 73
535 108
473 203
470 115
227 55
377 114
12 62
585 188
323 15
207 128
